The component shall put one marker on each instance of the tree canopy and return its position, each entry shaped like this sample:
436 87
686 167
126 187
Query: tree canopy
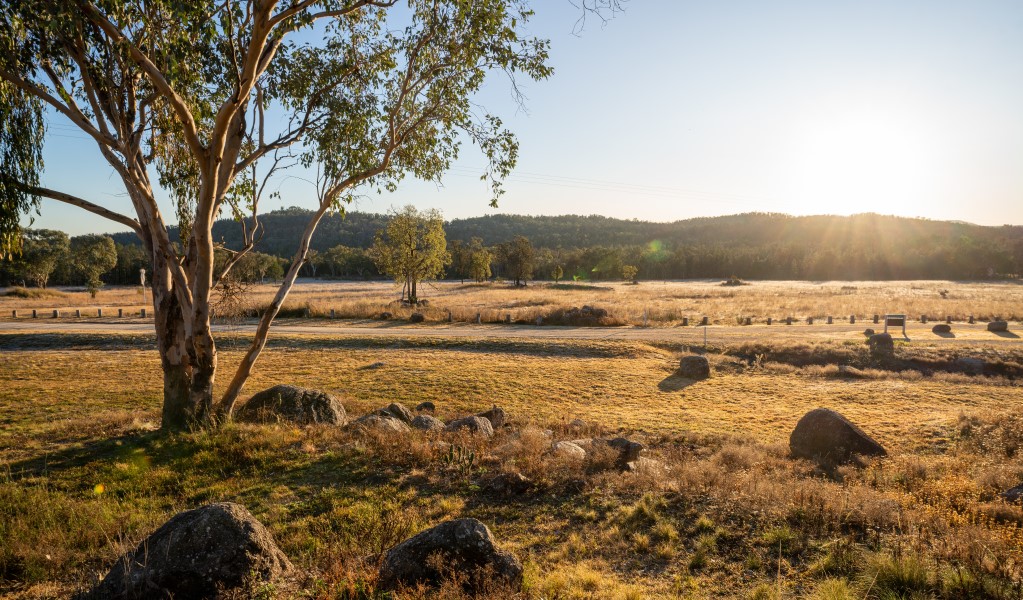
215 99
412 248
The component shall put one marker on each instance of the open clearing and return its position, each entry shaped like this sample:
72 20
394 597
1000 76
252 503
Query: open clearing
85 476
655 302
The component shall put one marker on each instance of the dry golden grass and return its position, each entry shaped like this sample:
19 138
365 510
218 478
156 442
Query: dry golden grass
925 521
662 303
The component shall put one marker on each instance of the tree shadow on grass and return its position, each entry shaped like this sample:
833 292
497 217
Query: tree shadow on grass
675 383
80 455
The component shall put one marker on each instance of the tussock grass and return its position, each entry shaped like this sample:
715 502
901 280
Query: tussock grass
33 293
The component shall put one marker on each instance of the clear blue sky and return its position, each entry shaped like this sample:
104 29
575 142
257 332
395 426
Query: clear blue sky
683 109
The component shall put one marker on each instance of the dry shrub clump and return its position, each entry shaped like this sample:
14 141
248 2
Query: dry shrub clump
587 316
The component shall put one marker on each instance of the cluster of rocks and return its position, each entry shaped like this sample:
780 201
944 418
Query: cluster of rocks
305 406
221 550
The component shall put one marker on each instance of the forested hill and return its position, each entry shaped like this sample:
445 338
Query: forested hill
756 245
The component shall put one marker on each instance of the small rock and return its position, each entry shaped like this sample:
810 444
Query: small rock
426 406
427 423
1013 495
495 415
568 450
375 365
463 546
998 326
382 423
577 424
508 484
973 366
474 424
881 344
628 450
385 316
694 367
942 328
396 410
199 553
416 317
824 434
294 404
645 465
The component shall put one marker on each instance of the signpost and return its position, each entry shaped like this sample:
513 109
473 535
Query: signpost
895 321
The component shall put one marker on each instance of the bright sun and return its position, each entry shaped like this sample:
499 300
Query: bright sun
859 160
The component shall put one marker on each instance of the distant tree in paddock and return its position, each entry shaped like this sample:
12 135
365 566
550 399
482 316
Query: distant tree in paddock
557 273
130 258
629 273
313 261
518 257
479 260
91 257
345 261
412 248
460 266
42 250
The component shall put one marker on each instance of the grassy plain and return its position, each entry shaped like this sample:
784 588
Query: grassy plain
86 476
653 302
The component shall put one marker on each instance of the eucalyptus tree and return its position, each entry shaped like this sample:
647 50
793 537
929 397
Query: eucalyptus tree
412 248
42 251
207 100
92 256
479 260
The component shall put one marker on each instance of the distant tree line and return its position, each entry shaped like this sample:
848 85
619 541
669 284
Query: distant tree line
521 249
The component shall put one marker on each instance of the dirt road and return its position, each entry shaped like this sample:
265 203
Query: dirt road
917 332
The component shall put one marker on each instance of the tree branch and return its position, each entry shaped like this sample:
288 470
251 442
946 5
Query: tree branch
84 204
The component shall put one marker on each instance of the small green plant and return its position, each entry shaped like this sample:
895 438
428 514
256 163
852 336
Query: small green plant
461 459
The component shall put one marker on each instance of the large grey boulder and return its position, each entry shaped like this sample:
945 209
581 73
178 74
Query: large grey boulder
396 410
474 424
382 424
202 553
463 546
294 404
427 423
823 434
694 367
998 326
495 415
